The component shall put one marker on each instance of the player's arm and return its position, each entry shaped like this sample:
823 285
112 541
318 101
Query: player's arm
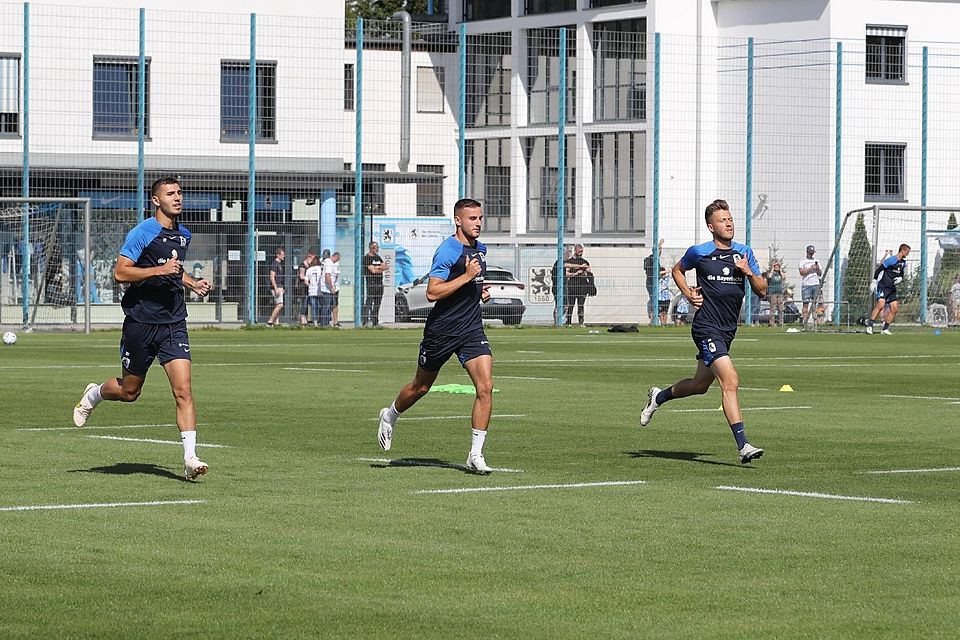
751 268
200 287
680 278
438 288
127 272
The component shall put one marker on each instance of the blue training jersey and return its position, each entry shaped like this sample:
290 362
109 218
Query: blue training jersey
891 272
157 300
460 311
721 284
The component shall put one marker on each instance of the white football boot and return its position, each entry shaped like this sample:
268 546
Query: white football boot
385 431
194 468
476 464
647 414
83 409
749 453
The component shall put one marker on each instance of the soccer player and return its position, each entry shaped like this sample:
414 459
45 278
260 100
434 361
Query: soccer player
454 326
722 265
889 274
151 263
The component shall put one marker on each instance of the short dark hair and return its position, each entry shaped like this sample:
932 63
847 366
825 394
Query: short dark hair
162 182
902 247
465 203
279 249
713 207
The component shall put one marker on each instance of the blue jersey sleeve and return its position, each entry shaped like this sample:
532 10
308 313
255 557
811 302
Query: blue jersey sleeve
137 240
690 258
752 261
444 258
889 261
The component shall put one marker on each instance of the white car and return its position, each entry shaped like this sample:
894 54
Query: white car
505 304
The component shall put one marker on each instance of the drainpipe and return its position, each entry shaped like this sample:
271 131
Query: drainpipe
404 17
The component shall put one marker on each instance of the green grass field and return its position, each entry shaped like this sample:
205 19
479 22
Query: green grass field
303 533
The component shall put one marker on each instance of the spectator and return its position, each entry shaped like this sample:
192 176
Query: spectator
302 289
664 297
955 299
329 288
810 273
314 276
276 286
648 268
578 271
373 270
776 286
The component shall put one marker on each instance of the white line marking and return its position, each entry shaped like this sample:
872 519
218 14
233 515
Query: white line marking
335 370
753 389
152 441
887 395
48 507
529 487
119 426
414 463
741 408
916 470
503 415
522 378
518 351
807 494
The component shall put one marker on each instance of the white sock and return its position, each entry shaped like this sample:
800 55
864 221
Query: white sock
478 438
392 413
189 439
94 396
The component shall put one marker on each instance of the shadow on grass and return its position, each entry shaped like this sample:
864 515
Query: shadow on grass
685 456
421 462
131 468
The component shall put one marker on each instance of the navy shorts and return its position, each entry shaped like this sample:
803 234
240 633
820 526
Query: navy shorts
712 346
141 343
887 293
436 349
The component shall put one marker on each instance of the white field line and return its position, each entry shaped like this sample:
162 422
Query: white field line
118 426
412 463
518 351
941 469
332 370
502 415
808 494
741 408
889 395
51 507
153 441
753 389
523 378
532 487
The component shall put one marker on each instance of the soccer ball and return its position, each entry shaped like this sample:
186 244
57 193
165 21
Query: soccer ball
9 337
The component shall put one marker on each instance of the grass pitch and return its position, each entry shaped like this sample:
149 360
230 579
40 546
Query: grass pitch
298 536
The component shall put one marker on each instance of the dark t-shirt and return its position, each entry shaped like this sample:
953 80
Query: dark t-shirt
891 272
458 313
721 283
277 270
577 283
156 300
372 280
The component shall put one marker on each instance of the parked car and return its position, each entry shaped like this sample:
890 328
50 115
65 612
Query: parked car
505 304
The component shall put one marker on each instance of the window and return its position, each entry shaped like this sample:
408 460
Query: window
611 3
549 6
430 89
620 76
886 54
486 9
488 80
374 198
496 192
543 75
542 155
235 101
487 175
430 194
349 88
9 95
883 172
116 98
618 182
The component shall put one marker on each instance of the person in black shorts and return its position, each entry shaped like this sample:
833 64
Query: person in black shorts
373 269
888 275
155 327
454 326
723 268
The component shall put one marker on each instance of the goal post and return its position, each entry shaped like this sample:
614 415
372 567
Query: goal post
41 239
866 237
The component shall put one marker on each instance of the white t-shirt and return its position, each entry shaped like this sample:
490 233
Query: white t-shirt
955 293
314 275
332 269
812 279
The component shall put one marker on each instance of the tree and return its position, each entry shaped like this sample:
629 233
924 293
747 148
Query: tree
949 266
858 273
382 9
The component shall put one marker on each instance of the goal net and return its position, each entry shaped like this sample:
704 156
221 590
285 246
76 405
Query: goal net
866 238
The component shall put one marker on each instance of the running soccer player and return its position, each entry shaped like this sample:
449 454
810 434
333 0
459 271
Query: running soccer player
721 265
888 275
454 326
151 262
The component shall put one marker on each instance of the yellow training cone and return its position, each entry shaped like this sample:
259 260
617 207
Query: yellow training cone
786 387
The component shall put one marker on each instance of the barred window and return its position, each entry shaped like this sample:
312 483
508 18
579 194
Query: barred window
349 87
886 54
618 182
543 207
543 75
486 9
116 98
488 80
235 101
430 194
9 95
620 70
883 172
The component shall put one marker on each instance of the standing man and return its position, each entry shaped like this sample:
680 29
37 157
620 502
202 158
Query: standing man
454 326
303 287
775 289
722 266
889 274
329 289
955 299
577 271
276 277
373 269
809 284
151 262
